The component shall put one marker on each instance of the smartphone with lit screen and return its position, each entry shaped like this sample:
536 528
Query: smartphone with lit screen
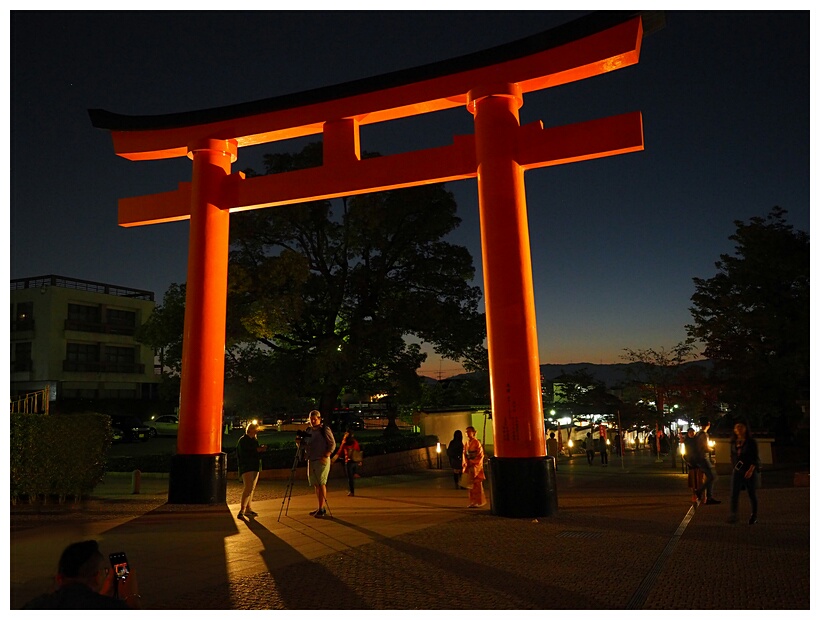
119 562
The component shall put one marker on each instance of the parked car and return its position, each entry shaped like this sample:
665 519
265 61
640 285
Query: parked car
163 425
341 421
129 428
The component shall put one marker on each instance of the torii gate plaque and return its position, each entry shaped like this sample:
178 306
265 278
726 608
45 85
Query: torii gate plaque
491 85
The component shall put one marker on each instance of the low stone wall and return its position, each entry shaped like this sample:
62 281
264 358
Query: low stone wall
376 465
723 449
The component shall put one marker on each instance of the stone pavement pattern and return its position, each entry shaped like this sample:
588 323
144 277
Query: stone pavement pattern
624 538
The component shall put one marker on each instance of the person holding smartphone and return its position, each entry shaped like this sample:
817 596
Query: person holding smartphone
85 580
746 469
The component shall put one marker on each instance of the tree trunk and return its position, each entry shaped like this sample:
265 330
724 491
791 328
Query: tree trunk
391 428
328 401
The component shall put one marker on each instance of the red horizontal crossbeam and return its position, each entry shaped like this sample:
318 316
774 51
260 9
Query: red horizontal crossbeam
537 147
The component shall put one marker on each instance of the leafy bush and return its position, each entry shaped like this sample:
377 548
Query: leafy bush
57 456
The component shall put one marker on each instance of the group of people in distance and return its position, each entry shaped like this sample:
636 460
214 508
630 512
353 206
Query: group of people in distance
467 461
318 443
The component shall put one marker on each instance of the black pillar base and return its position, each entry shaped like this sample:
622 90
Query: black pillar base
198 479
523 487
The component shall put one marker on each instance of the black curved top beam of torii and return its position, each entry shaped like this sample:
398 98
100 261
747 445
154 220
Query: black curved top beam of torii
585 26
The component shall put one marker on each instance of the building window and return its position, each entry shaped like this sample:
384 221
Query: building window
86 358
23 319
89 394
121 321
22 357
84 318
120 357
82 357
118 394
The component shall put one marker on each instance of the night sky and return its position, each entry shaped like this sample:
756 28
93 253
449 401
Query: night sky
615 241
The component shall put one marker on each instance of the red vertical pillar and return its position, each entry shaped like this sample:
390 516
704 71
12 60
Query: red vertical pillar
512 341
199 469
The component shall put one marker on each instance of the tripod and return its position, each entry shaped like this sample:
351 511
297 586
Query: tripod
289 489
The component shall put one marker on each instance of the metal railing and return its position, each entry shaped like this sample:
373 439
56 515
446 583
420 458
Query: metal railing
33 402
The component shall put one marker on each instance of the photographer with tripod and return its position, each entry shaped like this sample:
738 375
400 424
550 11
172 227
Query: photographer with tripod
320 445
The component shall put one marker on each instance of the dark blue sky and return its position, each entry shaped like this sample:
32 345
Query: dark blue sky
615 242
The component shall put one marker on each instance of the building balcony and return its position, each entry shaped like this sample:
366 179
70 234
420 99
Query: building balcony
99 328
22 325
107 367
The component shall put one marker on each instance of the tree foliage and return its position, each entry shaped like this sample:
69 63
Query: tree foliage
163 333
753 317
329 294
661 379
467 390
579 394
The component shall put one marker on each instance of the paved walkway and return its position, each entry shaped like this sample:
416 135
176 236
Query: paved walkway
625 537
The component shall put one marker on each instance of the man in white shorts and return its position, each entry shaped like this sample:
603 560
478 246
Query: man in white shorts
320 445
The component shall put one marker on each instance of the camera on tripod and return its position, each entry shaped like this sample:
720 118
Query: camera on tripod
300 456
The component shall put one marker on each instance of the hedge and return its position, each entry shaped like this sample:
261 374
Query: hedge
278 455
57 456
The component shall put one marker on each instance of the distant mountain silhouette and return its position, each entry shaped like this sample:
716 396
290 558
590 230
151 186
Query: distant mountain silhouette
610 374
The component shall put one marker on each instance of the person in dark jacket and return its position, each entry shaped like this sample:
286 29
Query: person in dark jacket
455 454
249 464
746 468
589 447
694 475
85 580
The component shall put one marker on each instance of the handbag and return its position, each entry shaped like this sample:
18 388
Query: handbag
466 480
356 456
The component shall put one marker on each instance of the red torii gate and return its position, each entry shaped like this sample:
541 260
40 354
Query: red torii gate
491 85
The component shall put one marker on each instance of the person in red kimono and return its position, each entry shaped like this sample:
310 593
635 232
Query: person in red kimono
474 467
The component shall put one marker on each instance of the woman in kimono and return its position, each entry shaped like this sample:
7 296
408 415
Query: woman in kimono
474 466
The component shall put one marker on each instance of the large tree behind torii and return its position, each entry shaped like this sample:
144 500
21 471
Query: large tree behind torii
332 293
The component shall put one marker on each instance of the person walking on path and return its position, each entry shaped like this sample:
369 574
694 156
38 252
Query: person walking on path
349 451
455 454
552 447
604 451
703 461
474 467
690 449
320 445
589 446
249 464
746 469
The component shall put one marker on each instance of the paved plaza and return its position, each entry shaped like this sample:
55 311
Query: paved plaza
625 537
